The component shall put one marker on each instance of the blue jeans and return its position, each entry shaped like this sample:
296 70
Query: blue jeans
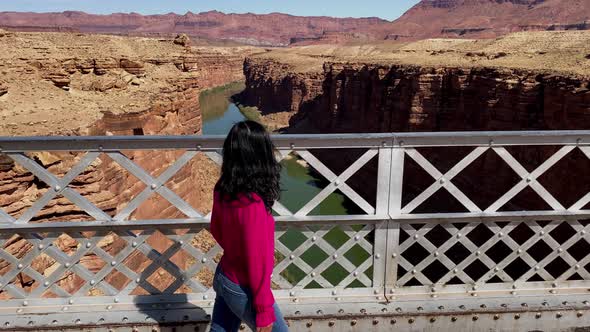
233 305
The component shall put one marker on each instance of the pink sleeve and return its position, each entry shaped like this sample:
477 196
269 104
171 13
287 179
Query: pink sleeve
259 253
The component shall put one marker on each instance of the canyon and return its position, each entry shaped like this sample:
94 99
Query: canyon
72 84
427 19
522 81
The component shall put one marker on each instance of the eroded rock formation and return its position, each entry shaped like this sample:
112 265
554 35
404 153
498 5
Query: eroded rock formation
76 85
409 92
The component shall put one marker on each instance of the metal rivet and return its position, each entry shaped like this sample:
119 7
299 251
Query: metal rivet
459 234
242 327
113 263
100 148
292 145
353 322
134 244
558 315
205 297
478 253
411 320
92 282
65 308
377 256
199 146
19 310
337 183
416 236
355 273
40 246
476 317
455 271
88 244
291 257
436 254
554 284
442 181
292 293
78 321
116 300
537 268
204 260
20 266
577 266
519 251
138 280
57 188
538 315
500 234
453 319
560 250
109 307
392 322
513 293
517 316
335 256
309 324
394 255
529 179
542 233
71 301
474 287
337 299
68 265
375 322
579 314
496 317
553 291
125 319
46 283
313 274
334 292
25 303
331 323
414 271
432 319
315 238
154 186
496 269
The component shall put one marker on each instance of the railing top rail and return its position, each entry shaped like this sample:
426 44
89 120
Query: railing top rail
359 140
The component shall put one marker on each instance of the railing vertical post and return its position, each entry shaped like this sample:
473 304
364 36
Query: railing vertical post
393 226
381 209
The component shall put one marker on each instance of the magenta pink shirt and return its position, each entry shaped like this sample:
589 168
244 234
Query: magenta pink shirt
245 231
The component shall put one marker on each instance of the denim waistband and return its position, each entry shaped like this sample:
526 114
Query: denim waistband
227 282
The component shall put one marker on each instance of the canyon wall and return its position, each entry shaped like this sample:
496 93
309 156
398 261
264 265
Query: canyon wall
348 97
146 94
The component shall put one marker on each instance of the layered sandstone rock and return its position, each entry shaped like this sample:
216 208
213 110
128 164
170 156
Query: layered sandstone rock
95 85
499 85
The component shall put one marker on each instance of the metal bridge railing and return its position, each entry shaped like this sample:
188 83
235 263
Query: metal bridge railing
387 253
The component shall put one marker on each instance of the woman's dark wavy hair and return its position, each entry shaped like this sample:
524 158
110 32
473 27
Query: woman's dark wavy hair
249 164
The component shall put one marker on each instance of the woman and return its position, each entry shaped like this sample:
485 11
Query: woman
242 224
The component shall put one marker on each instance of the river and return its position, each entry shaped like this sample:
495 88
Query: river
299 184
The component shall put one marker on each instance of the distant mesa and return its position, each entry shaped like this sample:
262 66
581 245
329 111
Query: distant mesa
427 19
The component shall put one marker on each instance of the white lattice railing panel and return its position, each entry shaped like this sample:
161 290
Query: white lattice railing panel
324 257
115 263
493 256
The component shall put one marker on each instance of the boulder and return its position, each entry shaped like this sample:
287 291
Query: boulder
182 39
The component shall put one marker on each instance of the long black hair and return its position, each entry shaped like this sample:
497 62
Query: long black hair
249 164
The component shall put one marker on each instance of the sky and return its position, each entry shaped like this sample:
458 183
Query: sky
386 9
